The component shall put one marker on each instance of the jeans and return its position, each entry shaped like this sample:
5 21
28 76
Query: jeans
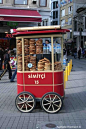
75 55
14 74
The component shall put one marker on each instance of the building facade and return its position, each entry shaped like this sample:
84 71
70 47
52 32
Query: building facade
41 6
79 23
73 19
66 19
55 12
21 13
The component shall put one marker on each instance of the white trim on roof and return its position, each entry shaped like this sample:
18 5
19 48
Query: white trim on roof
19 16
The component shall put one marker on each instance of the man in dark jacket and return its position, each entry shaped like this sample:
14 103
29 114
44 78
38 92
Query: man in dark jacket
7 62
75 52
1 58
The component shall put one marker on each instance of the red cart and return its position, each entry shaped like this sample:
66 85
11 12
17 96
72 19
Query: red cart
40 68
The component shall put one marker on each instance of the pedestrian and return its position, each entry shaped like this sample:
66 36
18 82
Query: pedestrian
13 76
1 58
7 62
75 52
79 53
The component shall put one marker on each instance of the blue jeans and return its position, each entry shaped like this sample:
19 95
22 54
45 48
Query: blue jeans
75 55
14 74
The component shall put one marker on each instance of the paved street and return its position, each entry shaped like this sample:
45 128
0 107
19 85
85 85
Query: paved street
72 115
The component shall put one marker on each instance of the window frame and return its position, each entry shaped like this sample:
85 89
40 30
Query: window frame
63 13
70 21
63 22
55 5
2 2
70 7
43 5
85 22
56 16
20 4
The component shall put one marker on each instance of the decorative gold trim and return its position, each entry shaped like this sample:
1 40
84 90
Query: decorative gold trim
41 84
39 71
62 52
40 36
52 61
23 62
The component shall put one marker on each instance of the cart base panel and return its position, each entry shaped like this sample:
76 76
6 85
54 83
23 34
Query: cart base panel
39 91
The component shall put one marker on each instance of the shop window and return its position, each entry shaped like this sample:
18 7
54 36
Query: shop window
1 1
43 3
24 2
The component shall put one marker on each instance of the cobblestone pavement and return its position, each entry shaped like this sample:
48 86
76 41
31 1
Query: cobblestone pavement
72 115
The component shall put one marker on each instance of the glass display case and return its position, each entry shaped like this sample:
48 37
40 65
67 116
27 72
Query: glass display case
38 53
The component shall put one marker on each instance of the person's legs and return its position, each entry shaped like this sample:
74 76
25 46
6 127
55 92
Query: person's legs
0 65
74 55
13 76
79 56
10 71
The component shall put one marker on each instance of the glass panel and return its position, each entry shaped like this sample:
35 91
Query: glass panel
56 4
19 54
53 14
53 5
37 54
42 2
0 1
56 14
57 53
20 1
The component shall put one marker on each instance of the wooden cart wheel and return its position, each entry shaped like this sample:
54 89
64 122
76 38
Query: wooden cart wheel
51 102
25 102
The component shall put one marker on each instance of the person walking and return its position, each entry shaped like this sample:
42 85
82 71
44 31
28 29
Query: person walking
13 76
1 58
75 52
79 53
7 63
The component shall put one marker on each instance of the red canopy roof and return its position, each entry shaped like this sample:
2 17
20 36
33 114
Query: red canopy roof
20 15
62 31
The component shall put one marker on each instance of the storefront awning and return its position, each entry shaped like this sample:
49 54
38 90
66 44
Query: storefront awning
20 15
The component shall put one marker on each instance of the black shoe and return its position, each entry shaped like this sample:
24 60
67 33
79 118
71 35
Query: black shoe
12 81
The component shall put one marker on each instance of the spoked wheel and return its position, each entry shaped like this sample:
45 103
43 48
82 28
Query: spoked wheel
25 102
51 102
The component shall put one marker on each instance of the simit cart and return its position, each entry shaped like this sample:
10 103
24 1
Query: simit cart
40 68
